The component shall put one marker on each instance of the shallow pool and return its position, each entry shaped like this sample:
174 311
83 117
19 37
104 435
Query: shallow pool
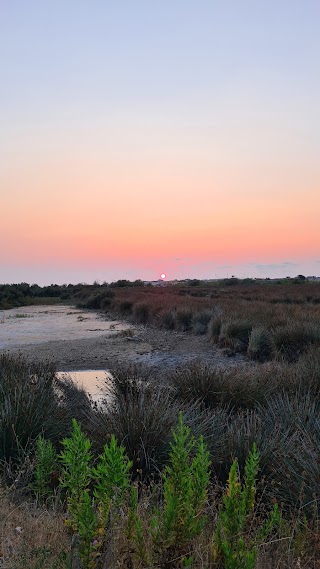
95 382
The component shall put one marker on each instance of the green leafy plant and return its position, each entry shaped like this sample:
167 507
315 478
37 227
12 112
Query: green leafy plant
89 516
233 545
76 472
112 477
46 464
87 526
186 479
137 550
76 478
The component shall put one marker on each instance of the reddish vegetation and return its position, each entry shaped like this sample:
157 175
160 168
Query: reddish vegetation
264 320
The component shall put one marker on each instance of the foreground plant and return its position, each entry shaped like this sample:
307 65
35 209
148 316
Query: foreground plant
186 480
90 515
76 472
112 480
233 544
46 464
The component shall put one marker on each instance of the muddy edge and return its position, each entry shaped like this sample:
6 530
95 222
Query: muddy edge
159 349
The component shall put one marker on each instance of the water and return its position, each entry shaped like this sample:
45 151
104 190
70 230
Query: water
91 380
39 324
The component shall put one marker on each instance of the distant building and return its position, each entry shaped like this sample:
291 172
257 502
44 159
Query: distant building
160 282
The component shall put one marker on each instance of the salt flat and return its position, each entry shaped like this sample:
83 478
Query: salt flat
41 324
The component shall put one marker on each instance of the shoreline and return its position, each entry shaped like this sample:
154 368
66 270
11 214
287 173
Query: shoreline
155 348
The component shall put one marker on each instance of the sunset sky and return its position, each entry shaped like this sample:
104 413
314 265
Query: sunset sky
145 136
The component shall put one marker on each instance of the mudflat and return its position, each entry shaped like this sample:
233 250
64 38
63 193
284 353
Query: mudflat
105 342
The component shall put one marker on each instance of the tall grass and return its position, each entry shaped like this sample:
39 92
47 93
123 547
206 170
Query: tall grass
34 402
28 405
141 414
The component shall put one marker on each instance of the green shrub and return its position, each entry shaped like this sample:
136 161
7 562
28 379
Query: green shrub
291 340
112 474
76 471
233 544
186 480
45 466
235 334
89 517
260 344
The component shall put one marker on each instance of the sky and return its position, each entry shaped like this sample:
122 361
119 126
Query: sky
143 137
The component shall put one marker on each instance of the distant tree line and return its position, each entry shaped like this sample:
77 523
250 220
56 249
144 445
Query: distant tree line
24 294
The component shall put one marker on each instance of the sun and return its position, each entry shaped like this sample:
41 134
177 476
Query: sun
162 276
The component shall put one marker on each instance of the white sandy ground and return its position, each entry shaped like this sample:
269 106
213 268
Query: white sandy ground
36 325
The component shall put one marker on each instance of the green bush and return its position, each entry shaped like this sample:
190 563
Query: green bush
45 466
76 473
88 516
260 344
291 340
185 489
234 546
235 334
